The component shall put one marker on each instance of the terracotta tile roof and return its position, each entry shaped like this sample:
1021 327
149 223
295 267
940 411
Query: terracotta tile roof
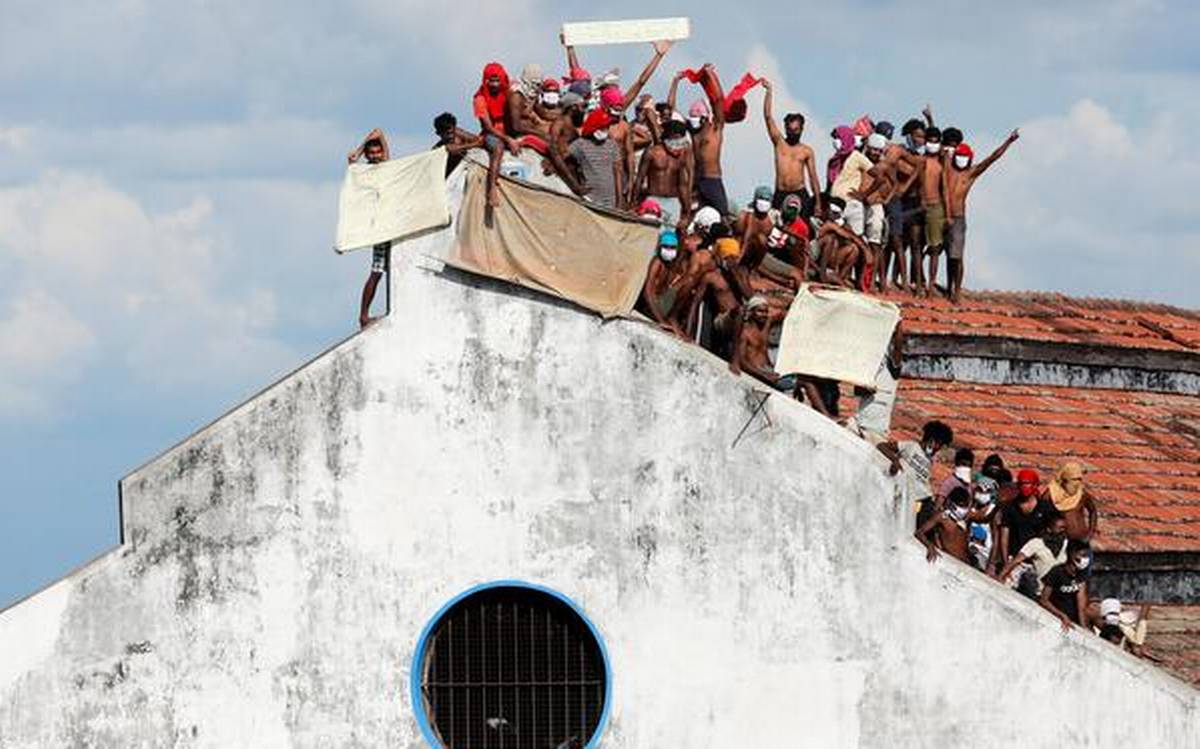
1055 318
1173 639
1142 450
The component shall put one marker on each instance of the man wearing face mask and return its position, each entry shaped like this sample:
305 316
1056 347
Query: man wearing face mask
795 163
490 105
839 248
893 183
1070 497
1064 587
1038 556
790 235
958 182
947 530
933 201
915 460
964 463
599 161
755 227
665 172
565 128
1022 519
662 283
523 99
706 121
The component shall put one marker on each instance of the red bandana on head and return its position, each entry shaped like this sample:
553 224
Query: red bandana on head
495 102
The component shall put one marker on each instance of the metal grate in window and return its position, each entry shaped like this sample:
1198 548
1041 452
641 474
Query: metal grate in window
513 668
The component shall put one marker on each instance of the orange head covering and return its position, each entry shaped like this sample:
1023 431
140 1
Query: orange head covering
495 103
1066 501
728 247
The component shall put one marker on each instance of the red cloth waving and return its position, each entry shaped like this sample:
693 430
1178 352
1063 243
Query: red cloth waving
733 105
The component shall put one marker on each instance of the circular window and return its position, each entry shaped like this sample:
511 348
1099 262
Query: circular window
510 666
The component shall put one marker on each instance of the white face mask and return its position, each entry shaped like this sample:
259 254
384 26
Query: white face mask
668 253
762 206
1112 618
676 144
933 149
837 145
983 499
600 135
1082 564
550 98
858 139
961 161
694 123
928 451
913 147
959 513
963 473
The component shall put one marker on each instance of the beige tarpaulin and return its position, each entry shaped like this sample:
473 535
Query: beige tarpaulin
392 200
837 334
553 243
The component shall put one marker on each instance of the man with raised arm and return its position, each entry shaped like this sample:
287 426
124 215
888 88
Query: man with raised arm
958 181
795 163
706 120
374 149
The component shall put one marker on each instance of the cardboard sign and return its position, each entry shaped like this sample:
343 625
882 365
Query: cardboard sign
625 32
837 334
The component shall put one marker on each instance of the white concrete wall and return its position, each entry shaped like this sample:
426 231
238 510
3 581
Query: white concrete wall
280 564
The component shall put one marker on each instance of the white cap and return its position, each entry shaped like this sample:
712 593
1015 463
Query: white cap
876 140
1110 606
706 217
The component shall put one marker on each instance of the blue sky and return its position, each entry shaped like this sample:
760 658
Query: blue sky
169 171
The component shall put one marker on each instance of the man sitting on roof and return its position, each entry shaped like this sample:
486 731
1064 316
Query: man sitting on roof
1070 497
756 226
374 148
490 105
839 249
599 161
524 99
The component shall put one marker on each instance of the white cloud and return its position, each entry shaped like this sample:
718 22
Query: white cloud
153 288
1086 204
43 346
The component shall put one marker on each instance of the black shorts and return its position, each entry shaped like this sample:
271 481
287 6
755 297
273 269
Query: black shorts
712 192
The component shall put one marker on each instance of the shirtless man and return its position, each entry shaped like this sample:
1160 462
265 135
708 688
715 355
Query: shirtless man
374 149
662 283
756 227
665 172
892 177
751 339
840 248
795 163
957 183
523 100
933 200
706 120
948 530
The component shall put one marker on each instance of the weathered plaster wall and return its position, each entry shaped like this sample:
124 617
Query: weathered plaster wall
279 565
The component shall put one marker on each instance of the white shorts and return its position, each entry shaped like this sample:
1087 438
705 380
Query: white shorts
855 216
874 223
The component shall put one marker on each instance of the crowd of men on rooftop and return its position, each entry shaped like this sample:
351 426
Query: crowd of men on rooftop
885 209
1031 537
887 212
